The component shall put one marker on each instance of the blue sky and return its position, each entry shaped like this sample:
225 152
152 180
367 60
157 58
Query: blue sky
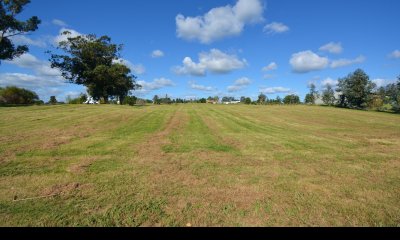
198 48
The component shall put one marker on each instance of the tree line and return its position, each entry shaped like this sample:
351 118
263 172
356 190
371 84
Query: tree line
357 91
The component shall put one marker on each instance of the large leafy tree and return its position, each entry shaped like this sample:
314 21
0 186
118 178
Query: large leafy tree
328 96
312 95
291 99
355 90
10 27
94 63
15 95
262 98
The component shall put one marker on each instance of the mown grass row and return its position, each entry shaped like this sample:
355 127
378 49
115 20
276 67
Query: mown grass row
199 164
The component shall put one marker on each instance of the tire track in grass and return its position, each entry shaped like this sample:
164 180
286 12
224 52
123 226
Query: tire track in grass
276 136
96 146
200 178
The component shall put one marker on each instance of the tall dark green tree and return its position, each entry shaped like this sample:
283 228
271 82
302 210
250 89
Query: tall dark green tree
262 98
278 100
291 99
53 100
156 100
11 27
328 96
312 95
355 90
94 63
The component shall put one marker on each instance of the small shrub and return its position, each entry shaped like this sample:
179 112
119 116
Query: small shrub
129 100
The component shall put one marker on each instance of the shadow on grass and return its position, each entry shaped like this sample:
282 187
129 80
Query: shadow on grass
365 110
17 105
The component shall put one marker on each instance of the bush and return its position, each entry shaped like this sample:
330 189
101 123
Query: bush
15 95
291 99
129 100
53 100
79 100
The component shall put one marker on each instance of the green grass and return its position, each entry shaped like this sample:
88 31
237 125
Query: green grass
207 165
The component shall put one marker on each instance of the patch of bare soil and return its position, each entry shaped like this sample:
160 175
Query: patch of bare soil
173 177
58 138
82 165
151 148
61 189
224 139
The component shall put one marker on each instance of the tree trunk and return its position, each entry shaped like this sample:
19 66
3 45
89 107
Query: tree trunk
105 99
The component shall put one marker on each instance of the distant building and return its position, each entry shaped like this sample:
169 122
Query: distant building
90 100
232 102
212 101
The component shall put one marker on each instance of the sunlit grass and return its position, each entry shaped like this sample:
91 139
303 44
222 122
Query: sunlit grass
199 164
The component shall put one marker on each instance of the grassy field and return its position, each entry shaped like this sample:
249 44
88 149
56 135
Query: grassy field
203 165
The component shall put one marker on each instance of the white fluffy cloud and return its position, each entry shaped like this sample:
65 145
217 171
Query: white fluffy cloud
135 68
239 84
219 22
59 23
61 37
41 68
332 47
214 61
156 84
45 80
195 86
270 67
380 82
329 81
28 81
275 27
273 90
307 61
395 54
346 62
157 54
24 40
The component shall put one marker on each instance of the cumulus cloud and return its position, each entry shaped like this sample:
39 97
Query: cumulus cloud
45 80
395 54
346 62
28 81
270 67
273 90
41 68
24 40
156 84
380 82
195 86
191 68
239 84
157 54
275 27
59 23
135 68
61 37
307 61
214 61
329 81
332 47
220 22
